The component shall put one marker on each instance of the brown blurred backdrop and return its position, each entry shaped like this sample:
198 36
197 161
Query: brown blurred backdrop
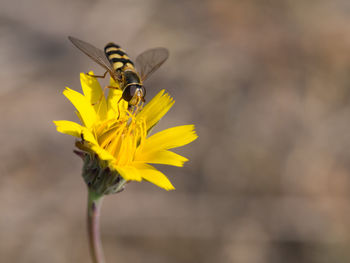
267 85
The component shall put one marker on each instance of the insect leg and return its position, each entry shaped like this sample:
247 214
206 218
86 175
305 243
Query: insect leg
138 107
98 76
118 107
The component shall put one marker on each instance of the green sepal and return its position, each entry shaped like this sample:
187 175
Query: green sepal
99 178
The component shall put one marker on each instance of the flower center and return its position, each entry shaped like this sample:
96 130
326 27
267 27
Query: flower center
121 137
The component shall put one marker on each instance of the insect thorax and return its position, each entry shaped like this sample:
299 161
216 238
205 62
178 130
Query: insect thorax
131 76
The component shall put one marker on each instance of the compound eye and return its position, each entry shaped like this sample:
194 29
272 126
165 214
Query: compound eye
129 92
143 91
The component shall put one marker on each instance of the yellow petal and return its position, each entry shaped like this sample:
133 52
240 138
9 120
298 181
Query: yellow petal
69 127
87 112
94 94
114 101
161 157
129 173
154 176
113 83
102 154
156 109
75 129
170 138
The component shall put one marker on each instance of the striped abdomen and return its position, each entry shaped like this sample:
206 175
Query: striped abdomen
121 62
118 58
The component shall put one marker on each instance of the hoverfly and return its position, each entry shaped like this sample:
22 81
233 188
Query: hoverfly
117 63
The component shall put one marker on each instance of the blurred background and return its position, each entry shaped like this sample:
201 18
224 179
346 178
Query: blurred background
267 85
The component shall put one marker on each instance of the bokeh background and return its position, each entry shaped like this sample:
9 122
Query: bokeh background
267 84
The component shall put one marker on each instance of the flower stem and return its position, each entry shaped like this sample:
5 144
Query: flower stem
93 216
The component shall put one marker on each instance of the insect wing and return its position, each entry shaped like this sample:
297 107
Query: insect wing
150 60
95 54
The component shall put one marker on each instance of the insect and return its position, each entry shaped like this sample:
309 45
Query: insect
116 62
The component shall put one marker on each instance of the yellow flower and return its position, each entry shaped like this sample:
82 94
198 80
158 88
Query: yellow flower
120 138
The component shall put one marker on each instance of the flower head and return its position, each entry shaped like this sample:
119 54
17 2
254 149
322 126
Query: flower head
119 138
